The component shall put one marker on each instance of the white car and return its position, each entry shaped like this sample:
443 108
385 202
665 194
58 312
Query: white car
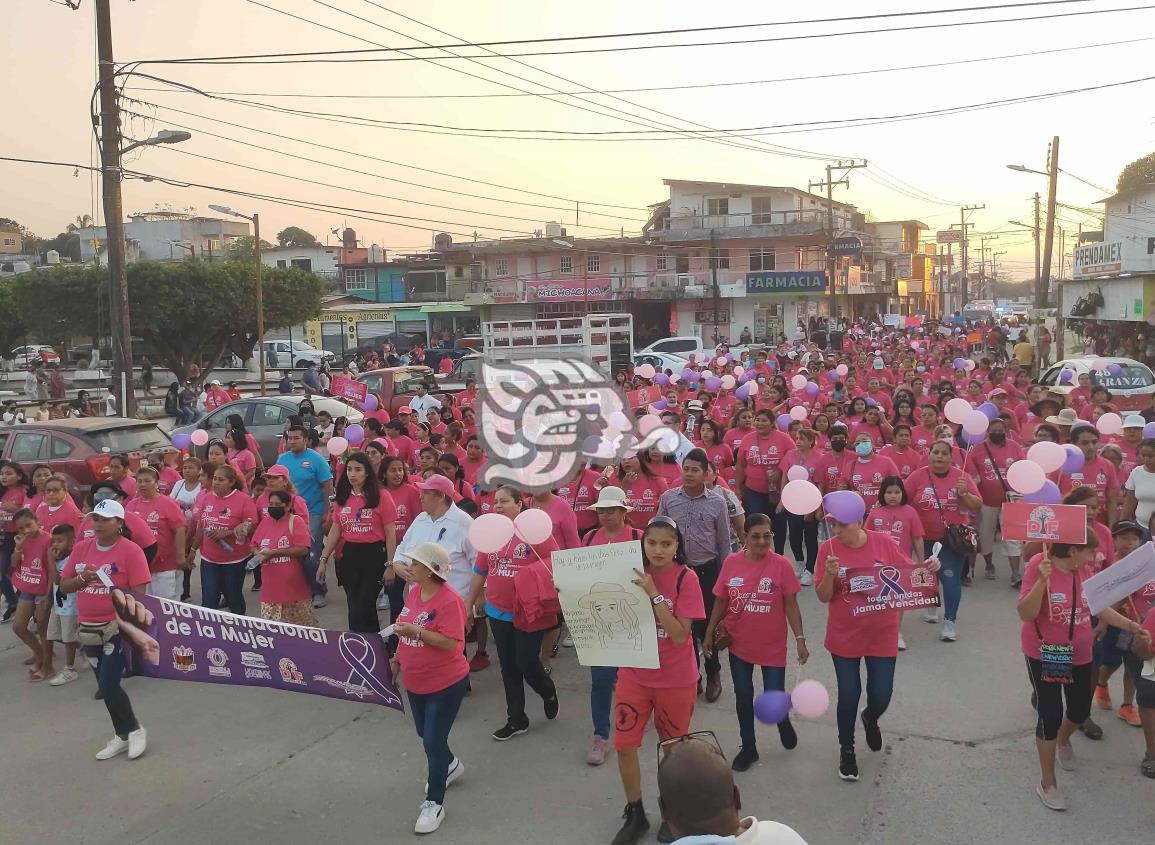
1131 388
33 354
284 354
662 361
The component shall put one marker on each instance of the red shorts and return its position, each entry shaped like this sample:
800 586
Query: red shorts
672 709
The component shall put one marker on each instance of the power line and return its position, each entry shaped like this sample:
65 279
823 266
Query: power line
580 38
657 88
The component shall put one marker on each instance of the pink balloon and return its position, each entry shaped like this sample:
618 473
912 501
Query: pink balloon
1026 477
801 497
969 365
842 370
490 532
810 699
1110 423
728 382
337 446
1050 456
798 412
648 423
738 370
534 526
1098 364
975 422
199 437
797 473
798 382
957 409
646 371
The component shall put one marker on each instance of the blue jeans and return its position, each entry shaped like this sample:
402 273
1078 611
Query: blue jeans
950 579
742 673
879 687
433 715
107 662
603 679
317 544
7 546
227 579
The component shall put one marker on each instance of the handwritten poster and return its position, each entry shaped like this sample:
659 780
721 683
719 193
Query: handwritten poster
608 617
1121 579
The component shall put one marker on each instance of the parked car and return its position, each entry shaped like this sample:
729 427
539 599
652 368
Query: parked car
14 268
686 345
1131 388
662 361
24 356
265 418
284 354
80 449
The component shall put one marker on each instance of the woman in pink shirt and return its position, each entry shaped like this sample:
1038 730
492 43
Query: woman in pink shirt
110 557
365 522
166 521
217 455
758 594
241 456
643 488
280 544
58 507
741 425
225 519
711 440
119 472
865 472
13 493
40 475
475 458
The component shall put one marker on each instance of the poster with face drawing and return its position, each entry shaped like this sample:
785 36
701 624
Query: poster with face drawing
610 619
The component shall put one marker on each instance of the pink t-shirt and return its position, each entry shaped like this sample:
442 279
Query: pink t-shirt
907 460
169 478
642 495
1104 552
561 513
244 461
922 488
1054 619
283 577
980 466
865 477
218 512
500 568
581 493
830 471
141 534
756 612
923 438
298 506
361 524
872 634
734 436
12 500
763 458
407 501
900 522
1098 473
125 566
163 517
677 664
32 574
426 669
66 514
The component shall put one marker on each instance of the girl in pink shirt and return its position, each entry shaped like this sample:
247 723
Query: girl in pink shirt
241 456
643 488
740 426
711 440
13 492
40 476
757 594
281 544
225 519
32 582
58 508
894 516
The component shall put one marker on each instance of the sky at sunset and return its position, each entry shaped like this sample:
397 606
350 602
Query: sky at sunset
919 168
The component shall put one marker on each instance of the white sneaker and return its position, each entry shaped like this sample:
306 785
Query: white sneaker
948 632
432 815
115 746
319 602
567 641
930 615
807 579
64 676
456 770
901 643
137 743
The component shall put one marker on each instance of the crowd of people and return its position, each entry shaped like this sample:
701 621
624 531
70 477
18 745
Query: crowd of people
389 519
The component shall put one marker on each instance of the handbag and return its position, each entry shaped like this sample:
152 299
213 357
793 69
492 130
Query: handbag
96 635
962 539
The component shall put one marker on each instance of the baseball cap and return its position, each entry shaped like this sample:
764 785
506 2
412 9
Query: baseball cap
216 382
1129 525
998 391
405 409
438 484
277 470
432 557
1134 421
109 509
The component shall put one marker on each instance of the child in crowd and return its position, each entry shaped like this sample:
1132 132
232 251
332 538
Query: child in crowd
62 623
32 582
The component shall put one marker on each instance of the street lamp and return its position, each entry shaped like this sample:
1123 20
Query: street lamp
1022 168
256 220
164 136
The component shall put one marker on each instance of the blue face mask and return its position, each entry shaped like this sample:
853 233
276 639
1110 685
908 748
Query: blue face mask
863 449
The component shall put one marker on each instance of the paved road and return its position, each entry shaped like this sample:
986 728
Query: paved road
234 765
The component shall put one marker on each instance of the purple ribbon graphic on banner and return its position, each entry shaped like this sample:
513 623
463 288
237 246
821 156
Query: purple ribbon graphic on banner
891 584
361 681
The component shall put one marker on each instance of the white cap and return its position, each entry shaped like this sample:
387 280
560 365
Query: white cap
611 497
109 509
1133 421
431 556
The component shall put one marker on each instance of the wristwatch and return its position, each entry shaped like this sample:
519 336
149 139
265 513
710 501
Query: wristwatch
658 599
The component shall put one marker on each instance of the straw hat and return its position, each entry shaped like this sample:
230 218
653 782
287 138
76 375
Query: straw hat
611 497
1067 416
431 556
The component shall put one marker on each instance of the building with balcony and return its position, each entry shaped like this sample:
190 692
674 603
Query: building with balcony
322 260
166 236
898 268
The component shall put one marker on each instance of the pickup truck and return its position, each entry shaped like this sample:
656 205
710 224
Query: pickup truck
395 386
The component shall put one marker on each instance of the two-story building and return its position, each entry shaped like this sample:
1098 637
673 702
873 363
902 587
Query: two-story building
166 236
322 260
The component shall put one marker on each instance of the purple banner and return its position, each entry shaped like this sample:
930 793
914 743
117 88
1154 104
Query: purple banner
185 642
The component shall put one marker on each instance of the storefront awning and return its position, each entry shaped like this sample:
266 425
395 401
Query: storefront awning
447 308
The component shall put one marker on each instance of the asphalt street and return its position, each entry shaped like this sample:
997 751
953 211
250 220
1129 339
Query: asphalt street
252 766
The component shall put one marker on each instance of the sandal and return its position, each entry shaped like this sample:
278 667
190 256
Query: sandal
1147 767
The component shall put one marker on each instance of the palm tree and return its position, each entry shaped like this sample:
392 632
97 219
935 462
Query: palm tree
83 221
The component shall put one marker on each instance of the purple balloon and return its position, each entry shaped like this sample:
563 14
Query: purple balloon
846 506
355 434
713 384
871 403
973 439
1065 376
960 364
1048 494
1075 459
811 388
1149 430
661 405
746 389
784 421
183 441
370 404
832 375
1114 369
661 379
991 411
688 374
772 707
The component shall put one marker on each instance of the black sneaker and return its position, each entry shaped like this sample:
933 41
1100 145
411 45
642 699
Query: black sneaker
787 734
848 765
9 612
1091 729
665 836
551 707
509 731
636 825
746 757
873 734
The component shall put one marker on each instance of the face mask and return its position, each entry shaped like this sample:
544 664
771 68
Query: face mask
761 379
276 511
863 449
838 444
998 439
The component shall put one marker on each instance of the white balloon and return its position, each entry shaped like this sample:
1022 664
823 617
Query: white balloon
798 412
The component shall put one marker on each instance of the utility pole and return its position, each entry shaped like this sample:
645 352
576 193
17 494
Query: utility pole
1042 290
830 184
1038 246
983 263
966 209
110 143
717 292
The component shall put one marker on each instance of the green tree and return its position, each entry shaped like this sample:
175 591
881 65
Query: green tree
296 237
244 248
12 330
186 312
1139 172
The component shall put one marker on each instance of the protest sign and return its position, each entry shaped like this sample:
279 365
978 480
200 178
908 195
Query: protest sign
1121 579
607 615
644 396
347 388
1045 523
878 588
185 642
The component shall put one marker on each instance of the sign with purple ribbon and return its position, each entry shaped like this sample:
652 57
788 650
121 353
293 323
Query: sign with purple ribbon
184 642
891 588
